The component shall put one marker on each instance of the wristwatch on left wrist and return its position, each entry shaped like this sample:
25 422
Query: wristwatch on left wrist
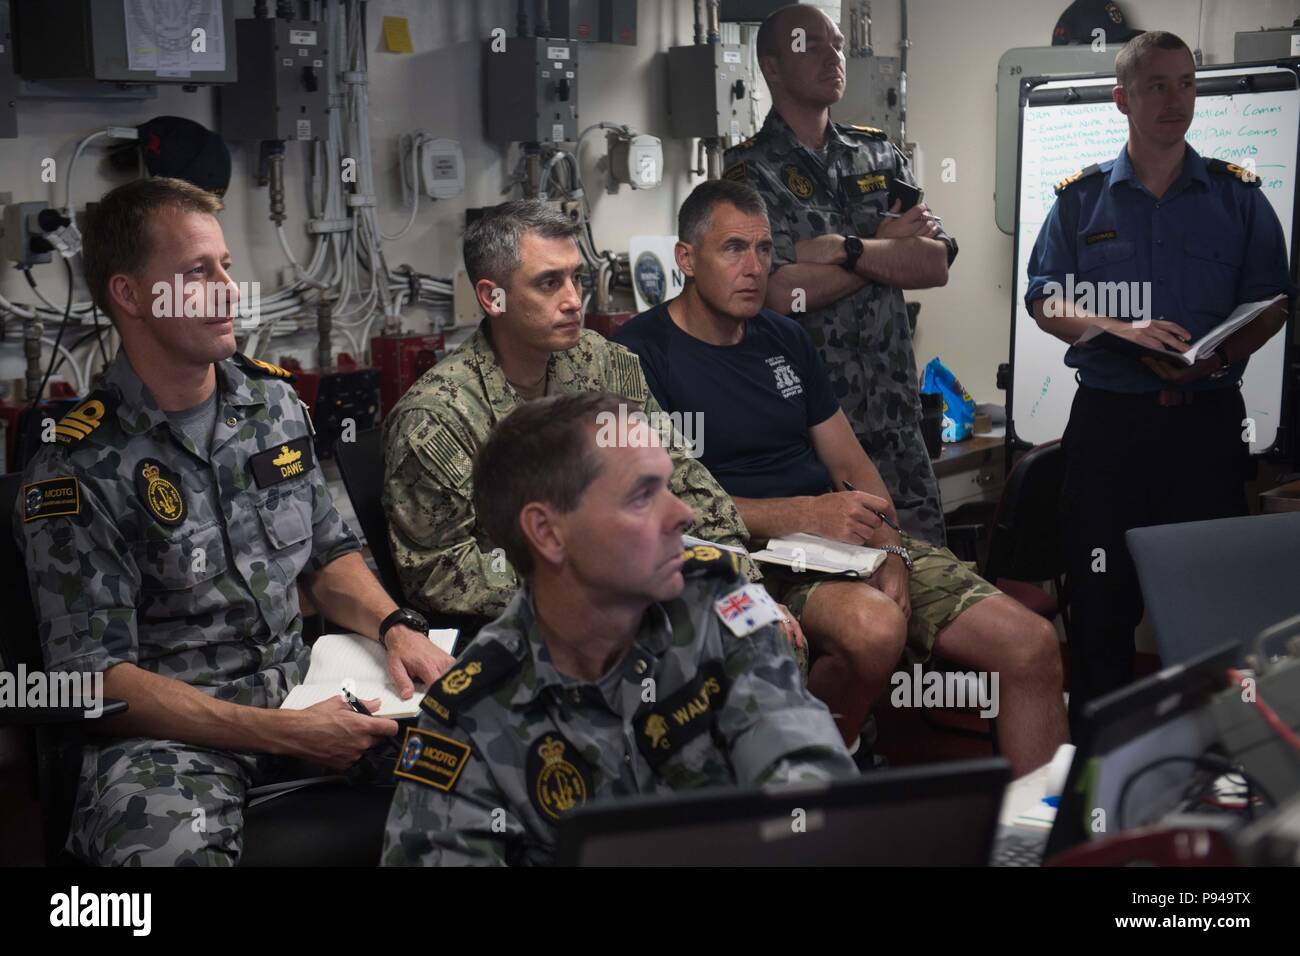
899 550
1221 354
852 252
403 615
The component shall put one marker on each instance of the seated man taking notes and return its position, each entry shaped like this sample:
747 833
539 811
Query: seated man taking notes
621 666
779 444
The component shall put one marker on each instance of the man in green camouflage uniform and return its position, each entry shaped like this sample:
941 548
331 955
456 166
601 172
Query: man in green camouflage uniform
523 252
621 667
164 542
823 182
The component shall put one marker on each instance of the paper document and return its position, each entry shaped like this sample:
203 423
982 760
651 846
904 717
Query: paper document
1241 316
813 553
360 665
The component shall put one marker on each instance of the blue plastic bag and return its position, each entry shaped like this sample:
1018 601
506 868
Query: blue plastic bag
958 406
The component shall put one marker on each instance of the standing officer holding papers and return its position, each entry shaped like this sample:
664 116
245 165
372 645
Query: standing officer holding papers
1151 441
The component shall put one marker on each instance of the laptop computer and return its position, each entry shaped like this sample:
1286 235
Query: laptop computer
1164 714
1206 582
934 815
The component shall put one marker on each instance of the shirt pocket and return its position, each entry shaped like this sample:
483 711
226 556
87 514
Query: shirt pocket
285 513
179 574
1110 261
1211 272
867 210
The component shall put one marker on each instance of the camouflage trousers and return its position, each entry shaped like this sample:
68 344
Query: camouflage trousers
940 587
899 455
145 802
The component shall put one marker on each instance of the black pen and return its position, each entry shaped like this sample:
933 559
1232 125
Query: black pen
355 704
360 708
879 514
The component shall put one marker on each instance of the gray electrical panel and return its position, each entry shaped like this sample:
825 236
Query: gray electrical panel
532 90
283 89
618 22
8 79
871 94
695 71
594 21
130 41
574 20
1253 45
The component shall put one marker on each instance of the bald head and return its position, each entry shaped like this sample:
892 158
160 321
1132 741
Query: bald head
801 53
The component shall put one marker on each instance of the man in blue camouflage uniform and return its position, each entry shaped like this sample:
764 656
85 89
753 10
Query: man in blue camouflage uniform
621 667
166 532
840 258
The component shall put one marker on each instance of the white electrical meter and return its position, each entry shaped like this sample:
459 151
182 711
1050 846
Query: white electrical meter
442 168
637 160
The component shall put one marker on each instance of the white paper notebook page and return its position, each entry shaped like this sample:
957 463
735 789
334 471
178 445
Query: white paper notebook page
364 665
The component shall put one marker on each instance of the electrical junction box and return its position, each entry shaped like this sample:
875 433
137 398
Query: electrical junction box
442 168
637 160
532 90
128 41
708 93
283 89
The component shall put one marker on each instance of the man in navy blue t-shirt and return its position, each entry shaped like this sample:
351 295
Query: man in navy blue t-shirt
775 438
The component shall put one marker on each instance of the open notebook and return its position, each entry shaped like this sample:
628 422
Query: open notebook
361 664
813 553
1241 316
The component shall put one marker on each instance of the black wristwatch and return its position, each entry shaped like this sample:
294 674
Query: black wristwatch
852 252
403 615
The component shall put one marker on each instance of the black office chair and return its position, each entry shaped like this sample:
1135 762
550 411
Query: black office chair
361 464
1025 545
286 824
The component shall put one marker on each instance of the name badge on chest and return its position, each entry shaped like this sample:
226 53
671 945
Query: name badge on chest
284 461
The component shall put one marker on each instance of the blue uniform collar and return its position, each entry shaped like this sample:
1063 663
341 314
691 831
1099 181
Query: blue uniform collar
781 137
1194 170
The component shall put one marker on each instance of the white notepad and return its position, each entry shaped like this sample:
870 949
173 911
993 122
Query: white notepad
360 664
815 553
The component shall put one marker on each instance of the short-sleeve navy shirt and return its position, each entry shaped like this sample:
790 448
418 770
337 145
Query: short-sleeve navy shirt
1209 244
758 398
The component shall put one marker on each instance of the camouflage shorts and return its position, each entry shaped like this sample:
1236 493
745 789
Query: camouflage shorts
940 587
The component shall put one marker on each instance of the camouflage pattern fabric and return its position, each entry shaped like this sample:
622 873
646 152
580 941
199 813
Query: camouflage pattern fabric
444 559
507 745
864 338
142 548
940 587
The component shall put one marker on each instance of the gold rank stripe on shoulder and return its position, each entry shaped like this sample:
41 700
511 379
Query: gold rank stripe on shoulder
624 376
1244 173
870 131
1075 177
80 422
257 365
737 172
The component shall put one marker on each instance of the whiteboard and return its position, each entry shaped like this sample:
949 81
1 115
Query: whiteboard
1058 140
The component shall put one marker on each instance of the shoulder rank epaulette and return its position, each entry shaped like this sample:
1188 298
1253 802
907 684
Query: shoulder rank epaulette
1075 177
737 172
82 421
481 669
872 131
705 560
259 369
746 143
1247 176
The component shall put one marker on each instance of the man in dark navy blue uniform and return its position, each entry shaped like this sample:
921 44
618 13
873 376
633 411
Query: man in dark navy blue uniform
1150 441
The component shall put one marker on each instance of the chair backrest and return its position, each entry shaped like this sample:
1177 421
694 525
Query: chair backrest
361 463
19 643
1207 582
1025 539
